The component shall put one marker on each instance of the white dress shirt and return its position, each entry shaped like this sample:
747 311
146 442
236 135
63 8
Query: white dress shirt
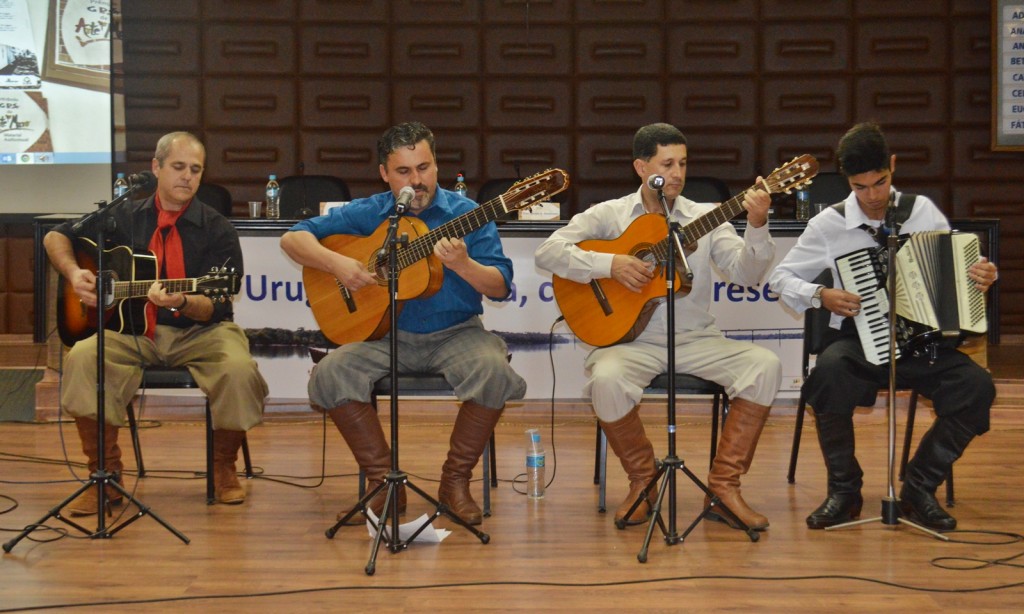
829 236
743 261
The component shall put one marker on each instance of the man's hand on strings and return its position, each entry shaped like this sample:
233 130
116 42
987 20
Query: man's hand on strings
84 283
631 272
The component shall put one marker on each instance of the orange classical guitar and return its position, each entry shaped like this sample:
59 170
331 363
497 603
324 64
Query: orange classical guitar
603 312
346 316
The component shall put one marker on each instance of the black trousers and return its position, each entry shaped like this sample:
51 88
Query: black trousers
842 379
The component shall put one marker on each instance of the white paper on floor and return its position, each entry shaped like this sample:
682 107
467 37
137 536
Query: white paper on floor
429 535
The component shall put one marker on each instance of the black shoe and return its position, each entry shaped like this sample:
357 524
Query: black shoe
924 509
836 509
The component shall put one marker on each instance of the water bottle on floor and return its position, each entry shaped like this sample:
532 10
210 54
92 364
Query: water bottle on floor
534 465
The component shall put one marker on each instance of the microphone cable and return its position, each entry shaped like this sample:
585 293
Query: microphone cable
521 478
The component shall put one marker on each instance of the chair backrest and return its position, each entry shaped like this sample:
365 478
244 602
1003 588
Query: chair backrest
817 332
494 188
829 188
706 190
217 196
301 195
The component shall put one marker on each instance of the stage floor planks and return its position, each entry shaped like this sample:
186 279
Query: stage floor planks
556 554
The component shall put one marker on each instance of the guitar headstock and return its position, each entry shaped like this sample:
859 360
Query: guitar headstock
535 188
792 175
220 282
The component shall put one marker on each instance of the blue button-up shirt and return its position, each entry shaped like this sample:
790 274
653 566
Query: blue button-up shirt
456 301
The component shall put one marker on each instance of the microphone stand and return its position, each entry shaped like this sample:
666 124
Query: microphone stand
668 466
891 514
396 477
100 479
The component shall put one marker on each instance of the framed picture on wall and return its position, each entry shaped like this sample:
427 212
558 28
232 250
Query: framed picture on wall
78 43
1008 75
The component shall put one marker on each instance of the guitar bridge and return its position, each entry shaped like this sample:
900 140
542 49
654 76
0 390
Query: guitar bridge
602 298
346 295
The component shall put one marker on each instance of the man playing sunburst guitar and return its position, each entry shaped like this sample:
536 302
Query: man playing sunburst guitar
180 238
438 333
618 373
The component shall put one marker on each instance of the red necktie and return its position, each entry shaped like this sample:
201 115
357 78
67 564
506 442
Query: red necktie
169 254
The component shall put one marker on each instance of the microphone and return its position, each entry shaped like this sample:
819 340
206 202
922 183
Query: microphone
405 196
656 182
144 180
890 211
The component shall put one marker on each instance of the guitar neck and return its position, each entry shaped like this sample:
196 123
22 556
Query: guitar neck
712 219
423 246
705 223
138 289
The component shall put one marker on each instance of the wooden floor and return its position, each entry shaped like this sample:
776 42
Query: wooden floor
559 553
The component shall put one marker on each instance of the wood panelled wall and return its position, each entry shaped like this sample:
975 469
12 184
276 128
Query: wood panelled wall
273 86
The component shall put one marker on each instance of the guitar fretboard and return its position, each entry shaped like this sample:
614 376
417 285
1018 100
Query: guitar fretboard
137 289
525 193
423 246
703 225
790 176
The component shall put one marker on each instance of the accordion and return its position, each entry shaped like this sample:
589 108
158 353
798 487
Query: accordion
936 301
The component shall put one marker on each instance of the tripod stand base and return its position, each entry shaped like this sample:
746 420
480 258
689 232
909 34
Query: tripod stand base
667 473
891 516
391 535
100 480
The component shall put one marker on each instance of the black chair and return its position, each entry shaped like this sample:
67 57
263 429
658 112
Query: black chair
817 336
828 188
301 195
494 188
155 377
217 196
685 384
706 190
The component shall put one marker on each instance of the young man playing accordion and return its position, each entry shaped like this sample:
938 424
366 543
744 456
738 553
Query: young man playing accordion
961 391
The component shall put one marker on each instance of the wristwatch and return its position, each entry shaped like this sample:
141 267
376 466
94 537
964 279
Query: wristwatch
816 297
184 301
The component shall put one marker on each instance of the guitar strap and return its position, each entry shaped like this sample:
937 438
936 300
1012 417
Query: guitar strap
165 244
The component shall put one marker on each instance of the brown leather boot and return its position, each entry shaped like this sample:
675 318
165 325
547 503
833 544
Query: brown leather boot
360 427
225 479
630 443
735 453
472 431
86 504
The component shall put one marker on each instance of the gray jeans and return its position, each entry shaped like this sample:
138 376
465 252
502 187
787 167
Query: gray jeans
472 359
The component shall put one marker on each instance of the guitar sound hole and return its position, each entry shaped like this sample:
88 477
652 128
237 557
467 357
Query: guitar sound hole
647 255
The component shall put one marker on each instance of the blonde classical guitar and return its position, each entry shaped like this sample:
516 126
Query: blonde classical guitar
345 316
603 312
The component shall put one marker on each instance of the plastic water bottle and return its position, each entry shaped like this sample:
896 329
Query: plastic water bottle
120 185
460 185
534 465
803 205
273 198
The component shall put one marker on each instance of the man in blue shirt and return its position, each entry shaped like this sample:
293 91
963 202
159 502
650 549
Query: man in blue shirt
441 333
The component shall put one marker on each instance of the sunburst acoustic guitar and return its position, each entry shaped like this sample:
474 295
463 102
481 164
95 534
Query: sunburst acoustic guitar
124 307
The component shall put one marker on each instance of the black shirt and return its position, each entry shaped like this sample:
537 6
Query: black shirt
208 240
